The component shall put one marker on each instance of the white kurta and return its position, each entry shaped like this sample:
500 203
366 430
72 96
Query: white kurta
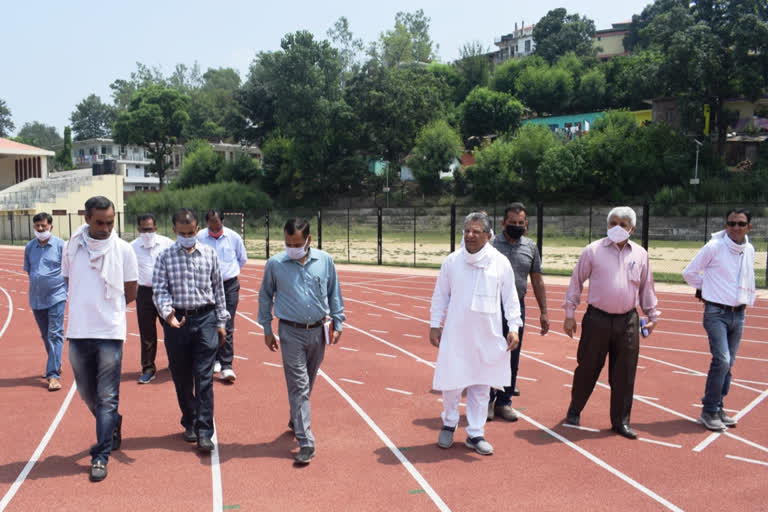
472 347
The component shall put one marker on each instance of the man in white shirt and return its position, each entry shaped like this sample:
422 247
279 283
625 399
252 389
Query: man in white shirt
102 275
147 247
232 257
723 273
473 284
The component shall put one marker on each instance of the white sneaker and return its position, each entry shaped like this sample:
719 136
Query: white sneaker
228 375
216 367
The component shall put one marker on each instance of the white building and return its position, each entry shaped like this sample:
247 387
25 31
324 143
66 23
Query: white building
515 45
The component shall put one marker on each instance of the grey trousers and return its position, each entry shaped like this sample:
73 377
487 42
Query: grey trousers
303 351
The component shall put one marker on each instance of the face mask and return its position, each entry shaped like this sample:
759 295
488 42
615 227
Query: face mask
296 253
148 239
618 234
185 242
515 232
216 234
43 235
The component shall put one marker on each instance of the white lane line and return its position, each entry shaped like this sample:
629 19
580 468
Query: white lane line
752 382
662 443
641 367
527 378
394 390
567 385
21 309
392 304
273 364
385 355
420 307
579 427
241 357
570 357
412 335
712 437
646 397
534 353
254 333
10 312
39 450
351 381
348 349
218 498
703 353
690 374
694 373
133 334
380 332
753 461
705 336
395 451
700 406
396 318
373 314
391 345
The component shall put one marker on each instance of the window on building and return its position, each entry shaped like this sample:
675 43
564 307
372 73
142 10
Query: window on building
527 46
103 150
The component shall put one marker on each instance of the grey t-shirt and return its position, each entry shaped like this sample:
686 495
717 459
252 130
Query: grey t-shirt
524 257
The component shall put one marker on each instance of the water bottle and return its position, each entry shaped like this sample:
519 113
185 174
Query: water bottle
643 330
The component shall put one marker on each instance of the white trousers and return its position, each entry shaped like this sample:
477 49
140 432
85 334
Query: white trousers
477 408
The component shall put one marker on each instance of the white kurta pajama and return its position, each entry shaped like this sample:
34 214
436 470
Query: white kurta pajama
473 352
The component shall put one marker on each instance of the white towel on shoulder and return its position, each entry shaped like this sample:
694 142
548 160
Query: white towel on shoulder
103 257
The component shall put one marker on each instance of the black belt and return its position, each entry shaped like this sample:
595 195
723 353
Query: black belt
598 310
302 326
195 311
230 280
733 309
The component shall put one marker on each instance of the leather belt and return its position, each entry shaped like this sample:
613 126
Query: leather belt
598 310
195 311
302 326
230 281
733 309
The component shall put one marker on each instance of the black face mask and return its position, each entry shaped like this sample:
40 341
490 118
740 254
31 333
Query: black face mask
515 232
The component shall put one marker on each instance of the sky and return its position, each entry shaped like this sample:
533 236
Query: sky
55 54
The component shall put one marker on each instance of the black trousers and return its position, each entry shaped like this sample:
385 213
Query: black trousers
147 315
618 337
226 353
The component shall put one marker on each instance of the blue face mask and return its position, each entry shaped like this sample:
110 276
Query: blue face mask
185 242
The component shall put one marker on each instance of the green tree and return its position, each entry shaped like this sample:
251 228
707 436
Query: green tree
592 93
214 113
6 123
201 165
545 89
241 169
494 174
185 79
409 41
92 119
473 67
40 135
530 146
64 156
144 76
349 47
436 147
282 176
487 112
561 167
558 33
451 79
155 119
505 75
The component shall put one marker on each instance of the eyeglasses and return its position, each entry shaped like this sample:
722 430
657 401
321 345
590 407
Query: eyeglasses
733 224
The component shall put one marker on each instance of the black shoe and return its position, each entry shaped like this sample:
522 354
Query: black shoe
573 418
624 431
204 444
290 426
98 471
515 392
117 434
305 455
190 435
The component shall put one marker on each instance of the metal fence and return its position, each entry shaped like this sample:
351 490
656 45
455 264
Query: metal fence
424 236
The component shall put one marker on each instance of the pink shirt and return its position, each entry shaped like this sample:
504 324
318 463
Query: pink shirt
618 279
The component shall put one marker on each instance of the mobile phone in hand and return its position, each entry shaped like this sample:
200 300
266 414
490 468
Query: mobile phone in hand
643 330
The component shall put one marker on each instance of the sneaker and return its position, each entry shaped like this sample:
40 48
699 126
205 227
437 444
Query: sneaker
54 384
216 367
506 412
445 440
117 434
491 411
479 444
712 421
305 455
146 378
727 420
228 374
98 471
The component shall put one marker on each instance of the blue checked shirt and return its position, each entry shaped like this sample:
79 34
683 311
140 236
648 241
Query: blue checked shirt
302 293
184 280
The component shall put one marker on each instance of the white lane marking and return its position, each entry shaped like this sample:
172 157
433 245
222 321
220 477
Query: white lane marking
420 307
690 374
351 381
373 314
693 373
392 304
570 357
700 406
10 312
397 317
752 382
241 357
254 333
712 437
395 451
391 345
21 309
568 385
534 353
579 427
380 332
273 364
753 461
218 498
705 336
39 450
394 390
527 378
349 349
385 355
412 335
133 334
646 397
662 443
702 353
641 367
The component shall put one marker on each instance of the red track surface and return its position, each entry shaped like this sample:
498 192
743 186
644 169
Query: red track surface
538 463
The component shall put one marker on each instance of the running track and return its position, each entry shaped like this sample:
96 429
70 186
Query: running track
376 421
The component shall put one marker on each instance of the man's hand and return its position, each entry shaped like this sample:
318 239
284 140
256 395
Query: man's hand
434 335
569 326
335 335
222 332
650 326
173 322
271 342
512 341
544 322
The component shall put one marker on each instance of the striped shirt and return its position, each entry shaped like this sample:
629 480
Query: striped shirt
184 280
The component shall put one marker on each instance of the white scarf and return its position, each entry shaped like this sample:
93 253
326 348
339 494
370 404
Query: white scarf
485 295
746 270
102 257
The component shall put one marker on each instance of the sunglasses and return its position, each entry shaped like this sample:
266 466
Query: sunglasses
733 224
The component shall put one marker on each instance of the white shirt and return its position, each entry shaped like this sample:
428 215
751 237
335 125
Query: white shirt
472 348
715 271
90 314
230 250
146 256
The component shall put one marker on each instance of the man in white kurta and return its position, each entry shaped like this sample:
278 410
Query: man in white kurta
473 354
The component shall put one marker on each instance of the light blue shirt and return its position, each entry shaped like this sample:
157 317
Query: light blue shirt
303 293
47 286
230 250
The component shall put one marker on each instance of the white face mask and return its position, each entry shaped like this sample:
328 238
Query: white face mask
296 253
148 239
618 234
185 242
43 235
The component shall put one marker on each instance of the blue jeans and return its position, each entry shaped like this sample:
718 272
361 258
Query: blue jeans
505 397
96 365
51 324
724 330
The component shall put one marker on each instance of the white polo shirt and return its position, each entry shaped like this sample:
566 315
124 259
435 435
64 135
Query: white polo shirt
146 256
90 314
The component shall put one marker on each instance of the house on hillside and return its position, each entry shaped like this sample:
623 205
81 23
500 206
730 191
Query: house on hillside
610 41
